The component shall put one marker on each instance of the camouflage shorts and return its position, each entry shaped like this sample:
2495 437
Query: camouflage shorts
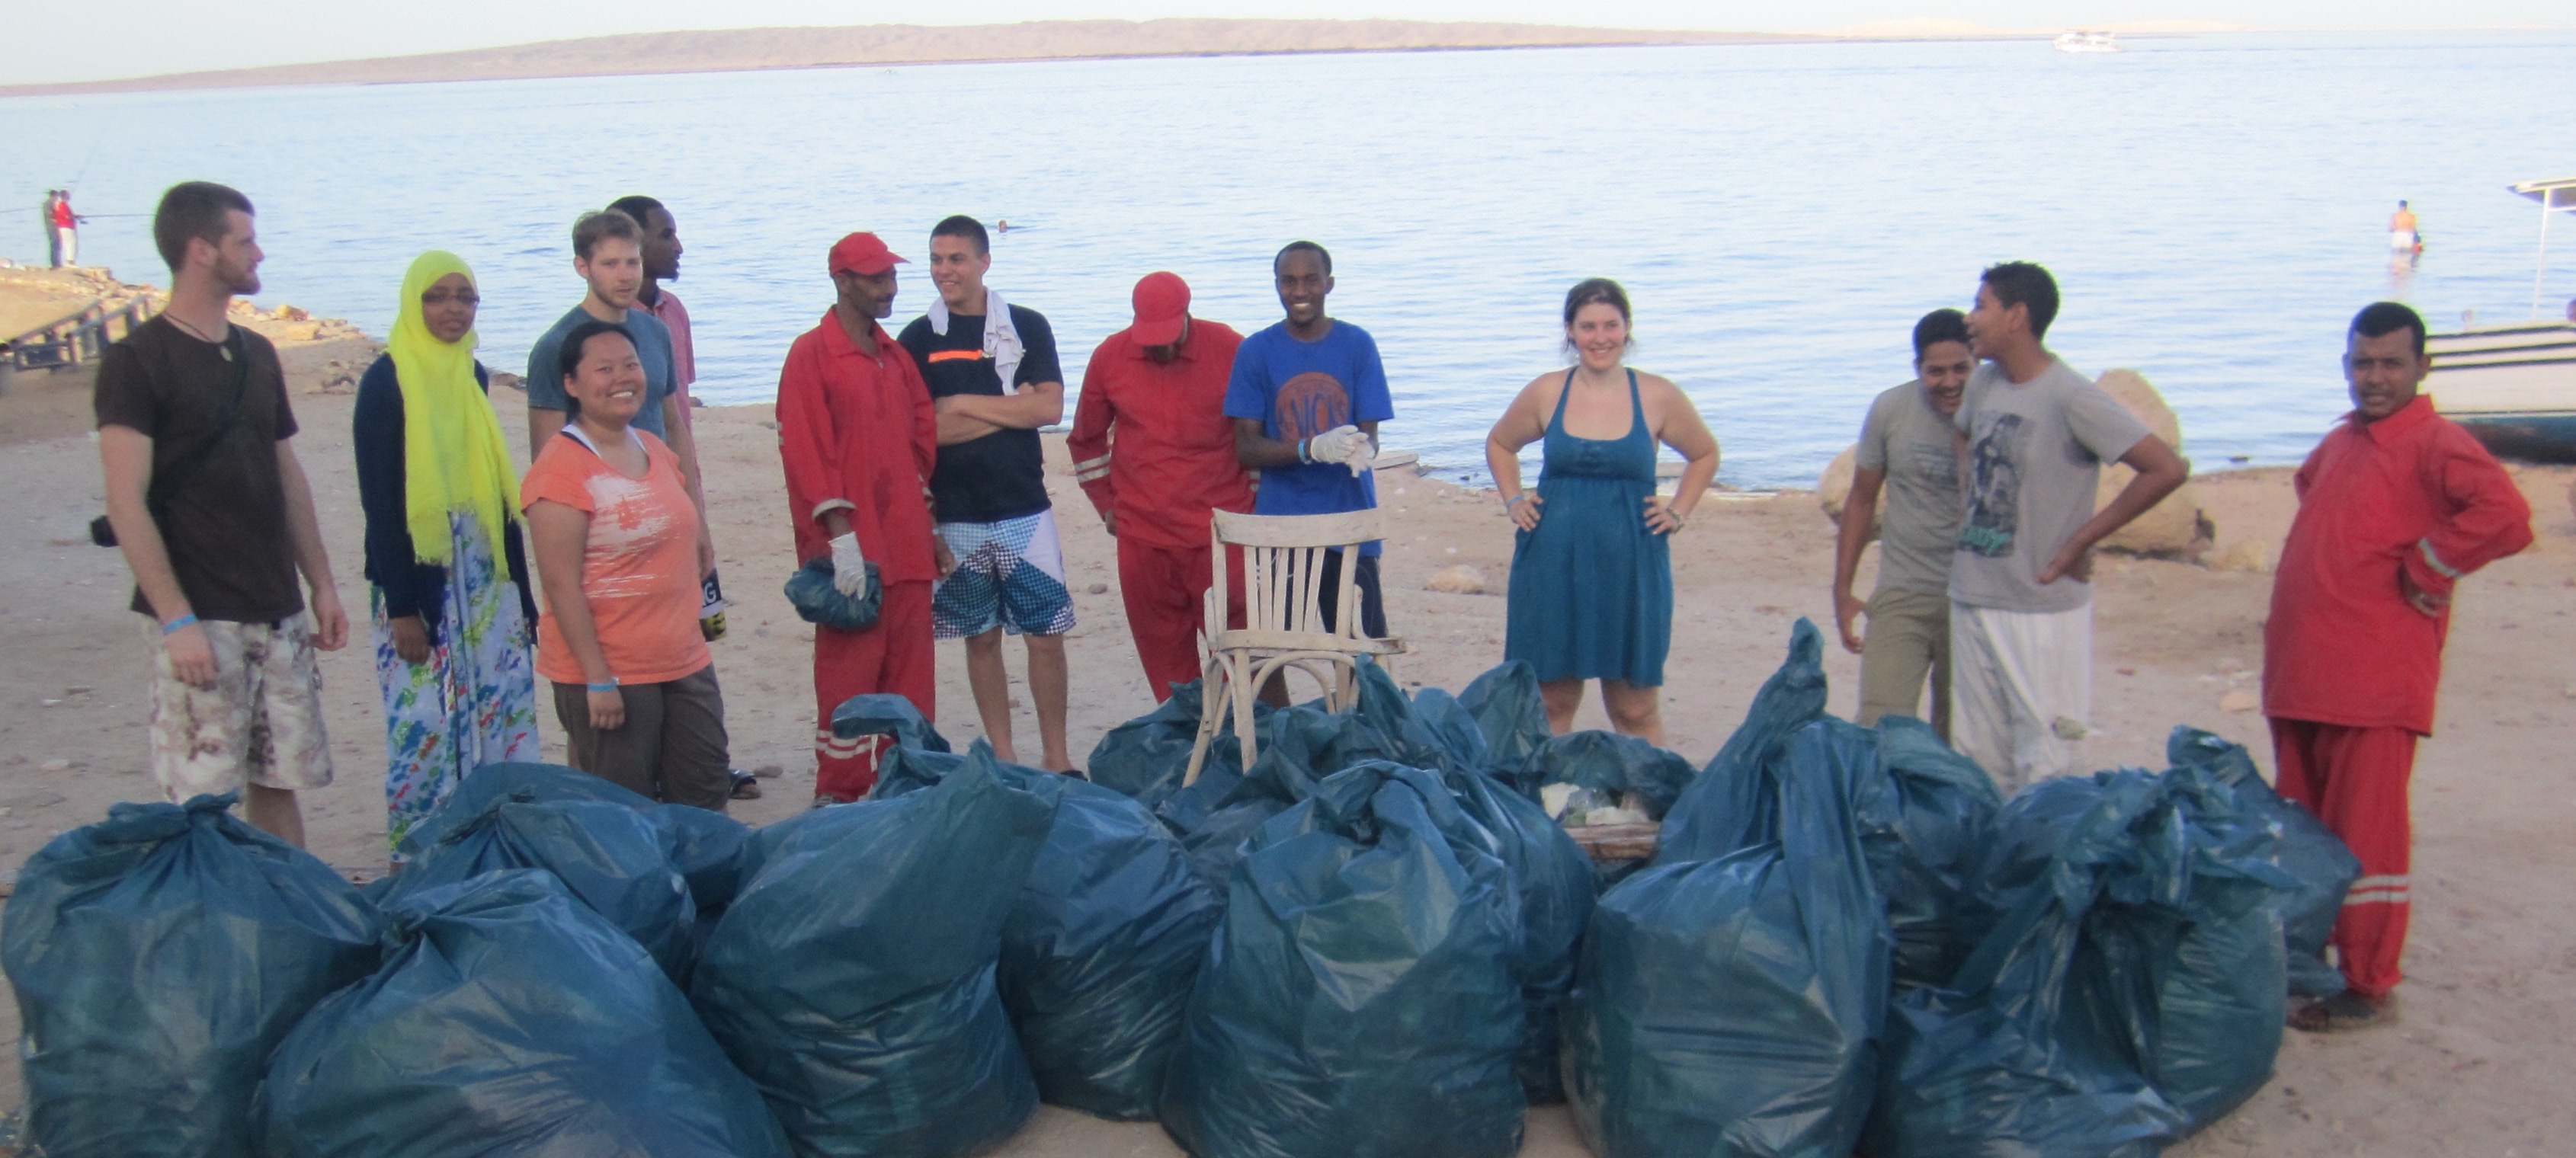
260 723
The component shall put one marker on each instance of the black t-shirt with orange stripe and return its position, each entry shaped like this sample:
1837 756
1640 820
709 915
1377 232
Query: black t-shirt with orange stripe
1001 475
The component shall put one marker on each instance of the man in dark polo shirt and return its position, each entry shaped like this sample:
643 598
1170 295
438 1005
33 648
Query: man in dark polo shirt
216 520
995 382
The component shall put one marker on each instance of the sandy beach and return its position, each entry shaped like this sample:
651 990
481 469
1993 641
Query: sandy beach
2489 1010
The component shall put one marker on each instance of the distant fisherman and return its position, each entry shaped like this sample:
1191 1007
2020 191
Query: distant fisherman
2032 437
2395 507
992 369
2403 235
1905 447
661 252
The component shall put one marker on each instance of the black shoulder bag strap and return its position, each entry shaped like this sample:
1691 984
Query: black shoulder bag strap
156 498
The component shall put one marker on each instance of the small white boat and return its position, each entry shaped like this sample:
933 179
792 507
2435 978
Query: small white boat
2514 387
2079 41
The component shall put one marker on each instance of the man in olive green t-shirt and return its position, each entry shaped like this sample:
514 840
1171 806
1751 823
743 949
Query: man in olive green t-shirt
1905 450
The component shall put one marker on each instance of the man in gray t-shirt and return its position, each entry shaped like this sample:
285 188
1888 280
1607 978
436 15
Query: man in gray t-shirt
1906 453
2032 437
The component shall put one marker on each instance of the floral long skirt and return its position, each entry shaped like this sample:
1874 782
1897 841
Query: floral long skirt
473 703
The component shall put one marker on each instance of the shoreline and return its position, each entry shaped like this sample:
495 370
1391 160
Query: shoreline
781 49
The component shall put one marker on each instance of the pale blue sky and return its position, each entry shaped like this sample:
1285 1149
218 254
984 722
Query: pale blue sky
142 37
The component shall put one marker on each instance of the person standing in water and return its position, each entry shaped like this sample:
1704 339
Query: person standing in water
2404 235
1905 448
1592 574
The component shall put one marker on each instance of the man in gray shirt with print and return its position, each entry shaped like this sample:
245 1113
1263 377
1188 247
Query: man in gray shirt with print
1906 451
2032 435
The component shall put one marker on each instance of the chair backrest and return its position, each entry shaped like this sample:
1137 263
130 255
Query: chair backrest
1283 569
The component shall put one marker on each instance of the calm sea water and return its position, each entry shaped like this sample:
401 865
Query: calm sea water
2214 207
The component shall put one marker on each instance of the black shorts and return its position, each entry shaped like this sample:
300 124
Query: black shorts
1372 600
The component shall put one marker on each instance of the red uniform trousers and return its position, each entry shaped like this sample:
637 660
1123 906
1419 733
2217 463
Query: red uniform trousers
894 656
2355 780
1165 589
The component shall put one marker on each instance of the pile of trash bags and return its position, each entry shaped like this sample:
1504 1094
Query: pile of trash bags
2097 967
1379 938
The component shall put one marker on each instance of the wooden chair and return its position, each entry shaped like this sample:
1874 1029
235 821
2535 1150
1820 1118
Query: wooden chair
1283 561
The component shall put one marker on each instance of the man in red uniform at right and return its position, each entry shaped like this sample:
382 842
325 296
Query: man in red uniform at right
2395 506
1159 388
859 438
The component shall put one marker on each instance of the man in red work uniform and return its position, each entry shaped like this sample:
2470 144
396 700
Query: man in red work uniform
2395 506
859 439
1159 388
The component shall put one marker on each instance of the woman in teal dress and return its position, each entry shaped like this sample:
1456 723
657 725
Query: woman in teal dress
1592 575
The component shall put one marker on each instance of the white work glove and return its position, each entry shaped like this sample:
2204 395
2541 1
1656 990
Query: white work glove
1340 444
1363 456
849 567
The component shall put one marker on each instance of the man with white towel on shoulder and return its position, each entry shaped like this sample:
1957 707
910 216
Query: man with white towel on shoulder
993 375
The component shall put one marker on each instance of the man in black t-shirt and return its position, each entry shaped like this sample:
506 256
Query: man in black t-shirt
994 379
197 406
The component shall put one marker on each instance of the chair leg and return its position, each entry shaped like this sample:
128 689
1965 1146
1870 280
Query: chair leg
1211 710
1243 692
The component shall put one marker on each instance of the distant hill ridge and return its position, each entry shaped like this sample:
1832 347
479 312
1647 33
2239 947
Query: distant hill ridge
749 49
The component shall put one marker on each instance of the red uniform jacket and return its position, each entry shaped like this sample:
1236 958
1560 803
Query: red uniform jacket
1174 459
856 431
2411 492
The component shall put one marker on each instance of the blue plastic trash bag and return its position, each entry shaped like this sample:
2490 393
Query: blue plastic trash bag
702 845
1455 729
1732 1006
508 1018
852 979
1357 1002
2130 992
818 599
1147 756
1552 878
1507 708
158 956
608 856
1922 810
1925 813
1098 958
1608 763
2310 852
886 714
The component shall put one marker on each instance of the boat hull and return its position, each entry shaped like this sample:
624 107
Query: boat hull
2514 387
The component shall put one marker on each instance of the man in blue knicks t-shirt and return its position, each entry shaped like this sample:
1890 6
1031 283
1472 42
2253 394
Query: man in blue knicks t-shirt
1306 397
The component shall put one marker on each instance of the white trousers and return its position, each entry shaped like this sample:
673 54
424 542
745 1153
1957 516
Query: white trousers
69 240
2021 690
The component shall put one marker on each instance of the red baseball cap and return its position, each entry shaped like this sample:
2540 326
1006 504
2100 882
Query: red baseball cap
863 254
1162 307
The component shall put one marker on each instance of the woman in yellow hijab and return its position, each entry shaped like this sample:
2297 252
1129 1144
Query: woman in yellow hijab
453 615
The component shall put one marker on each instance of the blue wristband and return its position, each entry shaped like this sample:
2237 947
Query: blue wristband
1301 450
176 625
610 686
